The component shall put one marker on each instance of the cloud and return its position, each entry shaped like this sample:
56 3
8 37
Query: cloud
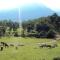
23 3
52 4
8 4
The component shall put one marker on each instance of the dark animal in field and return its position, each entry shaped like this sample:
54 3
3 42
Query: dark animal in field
1 48
49 46
4 44
45 45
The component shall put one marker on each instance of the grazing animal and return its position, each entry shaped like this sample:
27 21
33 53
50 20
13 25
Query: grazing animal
1 48
45 45
49 46
4 44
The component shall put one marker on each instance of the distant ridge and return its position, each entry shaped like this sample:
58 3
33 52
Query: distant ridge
34 11
9 14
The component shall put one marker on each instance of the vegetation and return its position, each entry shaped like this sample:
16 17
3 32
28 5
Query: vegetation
42 27
30 50
8 27
34 43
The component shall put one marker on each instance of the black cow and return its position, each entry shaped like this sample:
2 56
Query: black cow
49 46
4 44
1 48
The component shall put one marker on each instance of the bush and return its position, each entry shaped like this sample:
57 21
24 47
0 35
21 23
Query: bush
16 34
51 34
31 35
42 34
22 33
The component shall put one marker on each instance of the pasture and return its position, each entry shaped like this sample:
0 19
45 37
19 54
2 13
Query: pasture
30 49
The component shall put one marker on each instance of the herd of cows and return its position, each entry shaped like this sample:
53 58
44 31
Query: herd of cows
48 45
41 45
2 45
7 45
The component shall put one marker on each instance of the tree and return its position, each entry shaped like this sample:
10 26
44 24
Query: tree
51 34
53 17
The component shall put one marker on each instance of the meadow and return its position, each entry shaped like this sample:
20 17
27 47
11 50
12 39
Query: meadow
30 50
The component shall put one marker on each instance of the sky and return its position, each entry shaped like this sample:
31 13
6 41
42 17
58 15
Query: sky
52 4
11 4
7 5
9 9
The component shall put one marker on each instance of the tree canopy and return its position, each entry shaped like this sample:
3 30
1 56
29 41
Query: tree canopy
49 24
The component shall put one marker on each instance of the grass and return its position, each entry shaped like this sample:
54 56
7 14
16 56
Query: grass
30 51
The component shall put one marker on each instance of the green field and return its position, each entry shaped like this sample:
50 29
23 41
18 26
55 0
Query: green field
30 50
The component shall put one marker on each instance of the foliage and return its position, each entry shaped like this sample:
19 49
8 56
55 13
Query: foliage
30 50
44 24
8 25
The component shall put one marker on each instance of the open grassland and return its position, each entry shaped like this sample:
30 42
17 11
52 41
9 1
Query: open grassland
30 50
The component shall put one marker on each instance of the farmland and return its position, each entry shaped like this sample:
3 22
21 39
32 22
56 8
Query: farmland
30 50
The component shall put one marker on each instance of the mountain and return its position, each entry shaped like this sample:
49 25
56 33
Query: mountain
9 14
34 11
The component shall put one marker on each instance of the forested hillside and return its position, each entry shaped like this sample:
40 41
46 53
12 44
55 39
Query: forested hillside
42 27
8 28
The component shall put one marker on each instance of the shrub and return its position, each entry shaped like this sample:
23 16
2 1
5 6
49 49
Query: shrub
16 34
51 34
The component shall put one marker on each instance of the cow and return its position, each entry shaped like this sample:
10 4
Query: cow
49 46
4 44
1 48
